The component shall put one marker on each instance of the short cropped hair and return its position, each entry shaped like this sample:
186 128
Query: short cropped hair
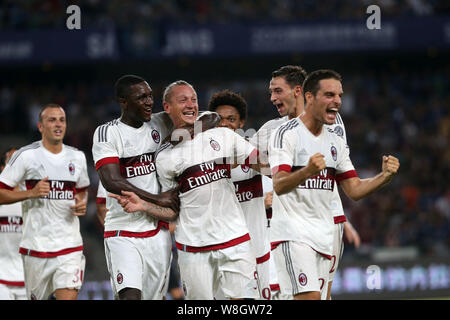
293 75
311 83
168 90
123 84
230 98
47 106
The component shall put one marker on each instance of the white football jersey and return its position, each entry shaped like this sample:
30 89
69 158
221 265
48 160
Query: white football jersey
134 150
261 141
209 210
249 191
306 213
11 265
49 227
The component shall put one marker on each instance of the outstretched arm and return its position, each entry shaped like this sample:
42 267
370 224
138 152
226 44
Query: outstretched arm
356 188
113 182
130 202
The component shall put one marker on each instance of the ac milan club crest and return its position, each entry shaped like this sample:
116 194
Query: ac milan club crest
71 168
156 137
302 279
119 278
245 168
334 153
214 144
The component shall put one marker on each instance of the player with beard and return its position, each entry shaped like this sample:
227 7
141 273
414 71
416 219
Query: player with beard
286 94
307 159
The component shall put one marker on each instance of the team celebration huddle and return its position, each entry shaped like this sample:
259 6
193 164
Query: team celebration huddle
256 217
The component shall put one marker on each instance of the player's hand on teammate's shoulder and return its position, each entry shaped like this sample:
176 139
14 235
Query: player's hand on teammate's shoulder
390 166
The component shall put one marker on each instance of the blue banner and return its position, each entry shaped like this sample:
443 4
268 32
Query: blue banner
58 46
219 40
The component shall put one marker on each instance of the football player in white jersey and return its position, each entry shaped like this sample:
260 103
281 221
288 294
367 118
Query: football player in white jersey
287 96
137 246
232 109
211 234
12 285
306 160
53 183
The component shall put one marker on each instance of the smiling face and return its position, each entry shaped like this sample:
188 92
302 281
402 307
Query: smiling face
326 103
230 117
283 97
52 125
182 105
138 105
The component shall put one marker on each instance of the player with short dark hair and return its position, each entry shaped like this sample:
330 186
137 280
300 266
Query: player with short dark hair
232 109
137 247
287 95
306 160
212 238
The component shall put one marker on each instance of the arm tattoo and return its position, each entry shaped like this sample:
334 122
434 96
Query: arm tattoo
160 213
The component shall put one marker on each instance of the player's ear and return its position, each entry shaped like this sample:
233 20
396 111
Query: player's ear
123 102
298 91
39 125
166 107
308 96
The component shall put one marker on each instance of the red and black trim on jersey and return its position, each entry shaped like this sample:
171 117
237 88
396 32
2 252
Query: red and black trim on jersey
223 245
11 224
41 254
249 189
204 173
134 166
133 234
59 189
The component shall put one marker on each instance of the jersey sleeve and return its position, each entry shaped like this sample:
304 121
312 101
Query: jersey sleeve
166 174
245 153
104 150
281 150
83 181
344 167
13 172
101 193
163 123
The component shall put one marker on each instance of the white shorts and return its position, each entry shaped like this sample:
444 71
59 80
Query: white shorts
275 293
263 277
301 269
140 263
44 275
8 292
338 249
223 273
